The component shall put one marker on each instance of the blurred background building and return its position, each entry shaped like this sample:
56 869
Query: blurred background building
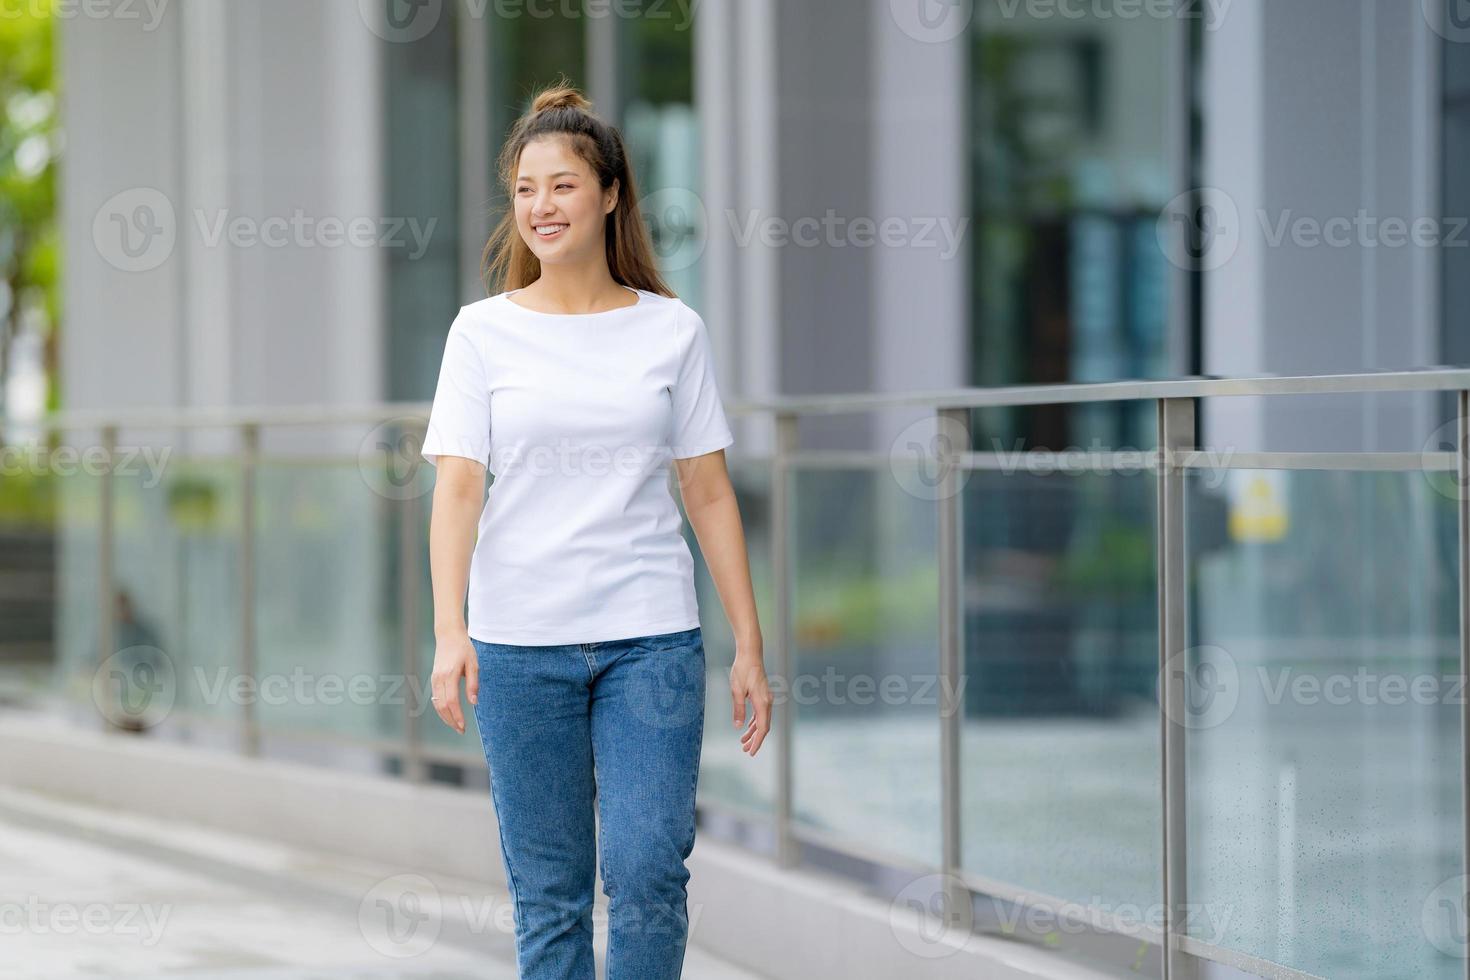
280 206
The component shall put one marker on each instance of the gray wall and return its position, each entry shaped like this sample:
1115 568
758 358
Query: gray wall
1316 110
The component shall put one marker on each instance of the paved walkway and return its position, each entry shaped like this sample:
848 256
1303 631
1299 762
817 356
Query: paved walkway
88 893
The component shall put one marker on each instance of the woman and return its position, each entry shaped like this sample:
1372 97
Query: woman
582 657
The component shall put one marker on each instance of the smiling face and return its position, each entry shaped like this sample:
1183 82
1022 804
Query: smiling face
560 209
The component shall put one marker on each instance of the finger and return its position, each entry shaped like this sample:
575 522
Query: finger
762 721
441 700
737 696
763 710
758 736
452 697
472 681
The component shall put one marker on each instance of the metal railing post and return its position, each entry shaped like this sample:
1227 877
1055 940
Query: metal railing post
409 549
782 714
1462 498
249 463
951 646
1176 433
106 548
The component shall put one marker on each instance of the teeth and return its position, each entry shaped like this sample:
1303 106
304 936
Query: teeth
549 229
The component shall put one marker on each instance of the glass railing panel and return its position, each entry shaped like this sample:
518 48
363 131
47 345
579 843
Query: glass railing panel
864 692
728 777
1060 744
329 503
41 479
1324 807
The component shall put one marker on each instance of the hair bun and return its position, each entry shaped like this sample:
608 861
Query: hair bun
560 97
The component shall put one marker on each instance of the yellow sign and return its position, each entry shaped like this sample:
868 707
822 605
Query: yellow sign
1258 507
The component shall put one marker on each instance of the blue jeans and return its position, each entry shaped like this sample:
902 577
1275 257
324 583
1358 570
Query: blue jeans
617 724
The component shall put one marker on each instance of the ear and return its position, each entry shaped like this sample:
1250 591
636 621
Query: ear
610 197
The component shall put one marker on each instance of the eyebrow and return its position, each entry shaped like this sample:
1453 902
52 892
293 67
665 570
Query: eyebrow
559 173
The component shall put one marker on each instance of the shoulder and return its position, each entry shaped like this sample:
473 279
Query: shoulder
682 318
481 314
477 321
659 304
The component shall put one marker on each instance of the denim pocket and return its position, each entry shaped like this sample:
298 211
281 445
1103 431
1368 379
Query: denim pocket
659 642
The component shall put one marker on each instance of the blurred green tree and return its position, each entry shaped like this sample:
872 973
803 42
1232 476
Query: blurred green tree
30 143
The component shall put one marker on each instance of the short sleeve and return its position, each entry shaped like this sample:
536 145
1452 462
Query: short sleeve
699 415
459 421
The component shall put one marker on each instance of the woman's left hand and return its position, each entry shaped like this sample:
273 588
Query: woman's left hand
748 681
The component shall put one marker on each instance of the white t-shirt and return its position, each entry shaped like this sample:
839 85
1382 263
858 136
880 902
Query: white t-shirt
578 416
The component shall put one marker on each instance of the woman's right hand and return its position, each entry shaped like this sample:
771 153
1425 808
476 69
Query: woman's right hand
454 657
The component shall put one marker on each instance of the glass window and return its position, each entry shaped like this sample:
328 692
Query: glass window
656 113
1070 172
1070 169
421 153
531 47
1456 196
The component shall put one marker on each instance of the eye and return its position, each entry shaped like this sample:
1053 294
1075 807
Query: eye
559 186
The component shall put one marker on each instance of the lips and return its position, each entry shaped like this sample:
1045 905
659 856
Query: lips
549 231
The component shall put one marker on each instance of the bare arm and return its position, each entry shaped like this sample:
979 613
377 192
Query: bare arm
714 514
459 497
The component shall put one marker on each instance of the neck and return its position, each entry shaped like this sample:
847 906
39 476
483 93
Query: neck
577 289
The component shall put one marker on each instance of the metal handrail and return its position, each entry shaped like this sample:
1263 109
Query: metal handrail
1434 378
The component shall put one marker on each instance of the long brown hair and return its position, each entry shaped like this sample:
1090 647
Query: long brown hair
560 110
